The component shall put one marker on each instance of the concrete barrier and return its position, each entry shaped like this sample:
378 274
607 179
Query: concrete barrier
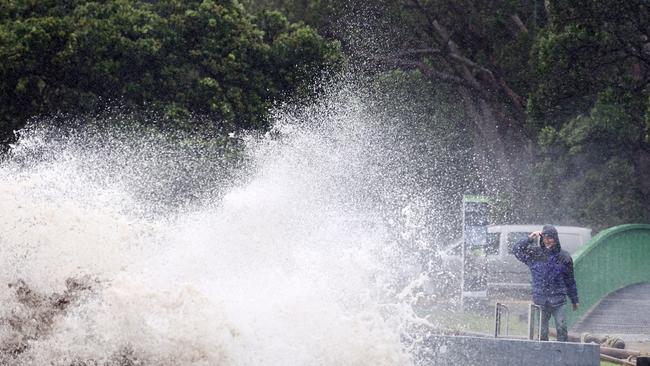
453 350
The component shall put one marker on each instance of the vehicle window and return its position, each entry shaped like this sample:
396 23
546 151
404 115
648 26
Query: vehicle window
570 242
513 238
492 247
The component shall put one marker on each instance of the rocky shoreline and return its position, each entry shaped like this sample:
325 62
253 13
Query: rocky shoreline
35 316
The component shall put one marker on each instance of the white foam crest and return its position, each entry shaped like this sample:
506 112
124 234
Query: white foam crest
287 268
57 223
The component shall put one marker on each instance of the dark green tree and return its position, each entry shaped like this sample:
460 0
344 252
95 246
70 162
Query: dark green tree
590 101
555 92
208 58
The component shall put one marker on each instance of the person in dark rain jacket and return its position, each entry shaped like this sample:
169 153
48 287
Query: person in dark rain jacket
551 270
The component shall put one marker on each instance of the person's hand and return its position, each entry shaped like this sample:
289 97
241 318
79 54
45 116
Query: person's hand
576 306
534 235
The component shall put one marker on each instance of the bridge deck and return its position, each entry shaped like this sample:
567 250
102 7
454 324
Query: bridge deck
623 312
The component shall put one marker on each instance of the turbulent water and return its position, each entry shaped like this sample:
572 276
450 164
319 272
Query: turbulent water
127 248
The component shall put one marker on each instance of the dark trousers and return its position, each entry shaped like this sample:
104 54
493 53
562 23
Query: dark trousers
557 312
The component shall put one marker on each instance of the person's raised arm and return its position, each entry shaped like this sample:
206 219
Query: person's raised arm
522 250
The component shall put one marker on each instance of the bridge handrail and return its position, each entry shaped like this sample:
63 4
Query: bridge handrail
615 258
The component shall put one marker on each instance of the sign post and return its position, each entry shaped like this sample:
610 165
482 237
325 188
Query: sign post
474 275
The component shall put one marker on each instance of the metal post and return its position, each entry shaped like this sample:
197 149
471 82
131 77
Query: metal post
499 310
497 320
474 273
534 309
507 311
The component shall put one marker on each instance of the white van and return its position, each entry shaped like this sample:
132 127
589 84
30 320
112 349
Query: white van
505 272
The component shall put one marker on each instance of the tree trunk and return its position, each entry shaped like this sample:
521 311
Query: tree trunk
490 148
642 164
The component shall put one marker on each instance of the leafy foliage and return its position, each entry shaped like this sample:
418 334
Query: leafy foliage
590 103
572 76
180 57
553 94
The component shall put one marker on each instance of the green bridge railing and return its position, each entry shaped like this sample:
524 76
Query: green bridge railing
613 259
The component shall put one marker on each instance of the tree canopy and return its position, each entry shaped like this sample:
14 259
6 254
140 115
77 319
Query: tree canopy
557 92
553 94
207 58
590 103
